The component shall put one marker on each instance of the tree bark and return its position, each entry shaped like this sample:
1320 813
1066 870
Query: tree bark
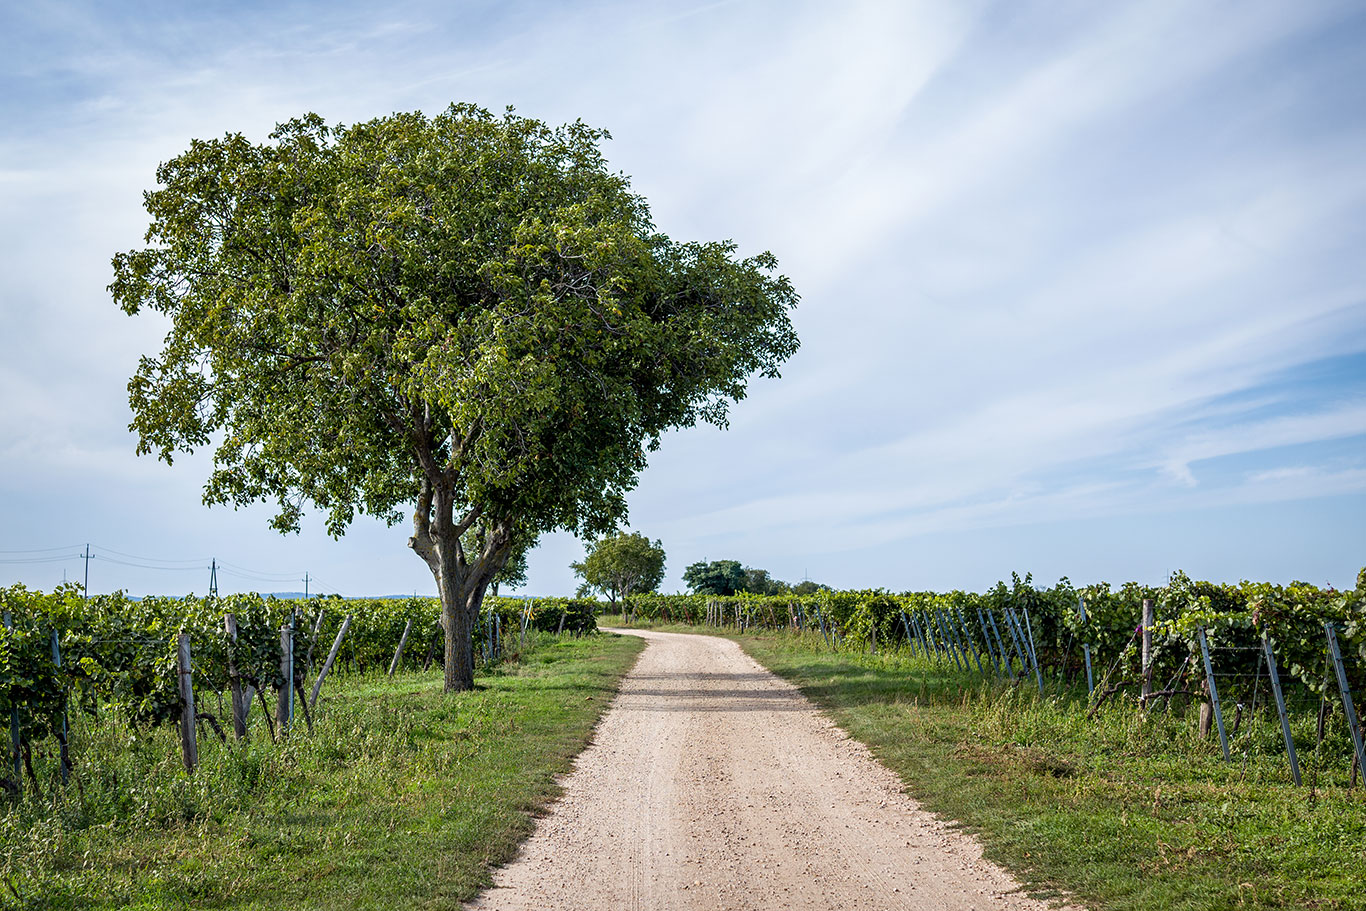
457 621
461 579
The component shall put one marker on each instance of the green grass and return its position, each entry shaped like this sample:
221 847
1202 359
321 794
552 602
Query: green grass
403 797
1129 811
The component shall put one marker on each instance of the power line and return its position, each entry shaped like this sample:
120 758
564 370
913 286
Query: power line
62 558
169 569
142 559
324 585
283 577
47 555
255 578
38 555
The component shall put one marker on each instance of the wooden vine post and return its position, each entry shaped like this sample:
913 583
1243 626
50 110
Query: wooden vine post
284 708
239 706
327 665
398 652
189 746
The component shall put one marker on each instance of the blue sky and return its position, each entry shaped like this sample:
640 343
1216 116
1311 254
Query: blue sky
1083 289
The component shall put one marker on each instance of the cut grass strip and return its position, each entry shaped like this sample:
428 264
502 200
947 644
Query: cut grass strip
403 797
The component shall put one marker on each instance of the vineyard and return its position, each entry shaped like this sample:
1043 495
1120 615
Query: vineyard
1294 653
1078 707
207 664
134 662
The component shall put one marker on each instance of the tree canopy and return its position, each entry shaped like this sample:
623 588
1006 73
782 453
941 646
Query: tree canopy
719 577
729 577
467 315
621 564
759 582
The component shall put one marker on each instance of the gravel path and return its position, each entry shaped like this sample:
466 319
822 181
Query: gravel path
713 784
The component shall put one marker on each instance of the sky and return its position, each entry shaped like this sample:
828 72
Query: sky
1083 286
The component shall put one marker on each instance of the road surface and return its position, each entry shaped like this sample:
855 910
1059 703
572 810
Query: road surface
713 784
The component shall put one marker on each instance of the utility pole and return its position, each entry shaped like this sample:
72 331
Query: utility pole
305 586
85 591
213 578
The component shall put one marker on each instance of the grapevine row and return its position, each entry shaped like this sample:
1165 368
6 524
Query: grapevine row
114 656
1234 617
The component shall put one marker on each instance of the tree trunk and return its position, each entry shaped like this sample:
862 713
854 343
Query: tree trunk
457 620
461 578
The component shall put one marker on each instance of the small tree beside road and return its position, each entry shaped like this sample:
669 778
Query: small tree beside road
621 564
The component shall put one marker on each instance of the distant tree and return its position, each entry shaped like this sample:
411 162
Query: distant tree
729 577
807 587
622 564
759 582
719 577
466 318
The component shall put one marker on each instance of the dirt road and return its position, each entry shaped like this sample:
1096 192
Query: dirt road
713 784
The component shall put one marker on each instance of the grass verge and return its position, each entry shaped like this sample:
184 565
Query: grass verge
1131 811
403 797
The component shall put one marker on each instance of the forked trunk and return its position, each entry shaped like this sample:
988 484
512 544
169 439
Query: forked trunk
460 604
461 578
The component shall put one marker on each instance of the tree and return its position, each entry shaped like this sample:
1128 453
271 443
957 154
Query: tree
465 314
807 587
759 582
728 577
620 564
720 577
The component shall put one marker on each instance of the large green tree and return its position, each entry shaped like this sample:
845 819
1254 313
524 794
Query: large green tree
466 314
719 577
620 564
729 577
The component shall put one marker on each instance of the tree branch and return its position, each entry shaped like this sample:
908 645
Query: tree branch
421 542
